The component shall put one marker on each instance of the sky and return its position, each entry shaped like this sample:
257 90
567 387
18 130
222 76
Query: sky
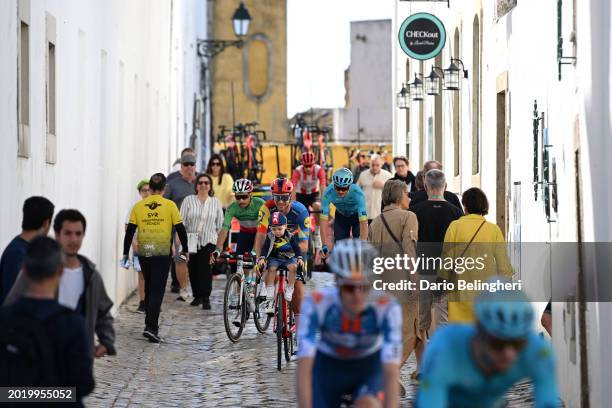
318 48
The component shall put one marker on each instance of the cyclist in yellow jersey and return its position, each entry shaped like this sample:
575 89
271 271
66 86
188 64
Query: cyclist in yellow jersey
154 218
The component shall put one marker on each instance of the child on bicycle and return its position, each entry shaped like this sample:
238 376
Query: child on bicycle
281 249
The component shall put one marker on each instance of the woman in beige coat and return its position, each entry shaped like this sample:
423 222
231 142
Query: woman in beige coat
394 232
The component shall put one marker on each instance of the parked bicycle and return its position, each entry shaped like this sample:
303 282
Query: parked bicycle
243 151
314 139
240 299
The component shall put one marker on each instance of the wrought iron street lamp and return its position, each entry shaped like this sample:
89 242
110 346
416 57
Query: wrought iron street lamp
241 21
402 98
416 88
432 81
451 74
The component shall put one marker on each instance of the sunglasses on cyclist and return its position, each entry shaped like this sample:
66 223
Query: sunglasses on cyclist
281 197
354 288
241 197
308 166
215 164
341 189
501 344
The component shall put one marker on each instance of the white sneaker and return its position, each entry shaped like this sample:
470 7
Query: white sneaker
183 295
289 293
318 244
269 305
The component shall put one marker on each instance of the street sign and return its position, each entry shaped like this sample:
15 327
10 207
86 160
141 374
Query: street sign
422 36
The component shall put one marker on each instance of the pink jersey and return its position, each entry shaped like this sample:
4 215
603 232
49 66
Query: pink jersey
308 183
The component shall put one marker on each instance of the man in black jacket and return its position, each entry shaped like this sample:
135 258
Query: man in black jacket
81 287
67 358
420 196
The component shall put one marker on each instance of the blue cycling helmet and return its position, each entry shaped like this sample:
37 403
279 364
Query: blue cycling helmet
343 177
505 314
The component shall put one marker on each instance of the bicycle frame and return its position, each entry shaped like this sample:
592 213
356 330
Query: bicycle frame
280 288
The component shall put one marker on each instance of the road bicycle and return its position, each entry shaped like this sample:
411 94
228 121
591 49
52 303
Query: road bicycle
314 139
284 321
240 298
243 151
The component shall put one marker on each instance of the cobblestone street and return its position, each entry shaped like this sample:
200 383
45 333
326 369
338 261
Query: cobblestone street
198 365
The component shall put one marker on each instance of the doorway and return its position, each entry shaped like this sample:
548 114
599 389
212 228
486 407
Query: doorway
502 160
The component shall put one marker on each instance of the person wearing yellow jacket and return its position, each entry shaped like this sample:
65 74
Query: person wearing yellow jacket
478 251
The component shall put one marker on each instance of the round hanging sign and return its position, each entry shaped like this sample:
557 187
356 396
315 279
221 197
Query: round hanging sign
422 36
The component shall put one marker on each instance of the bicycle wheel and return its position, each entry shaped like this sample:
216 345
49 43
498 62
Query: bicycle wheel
326 160
256 169
233 306
262 320
288 341
310 259
279 330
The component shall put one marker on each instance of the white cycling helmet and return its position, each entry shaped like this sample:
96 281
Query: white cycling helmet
242 186
352 260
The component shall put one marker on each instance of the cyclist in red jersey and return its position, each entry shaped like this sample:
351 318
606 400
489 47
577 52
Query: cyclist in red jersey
309 181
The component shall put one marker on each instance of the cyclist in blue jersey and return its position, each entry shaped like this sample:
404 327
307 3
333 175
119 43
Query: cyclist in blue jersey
473 366
359 348
351 217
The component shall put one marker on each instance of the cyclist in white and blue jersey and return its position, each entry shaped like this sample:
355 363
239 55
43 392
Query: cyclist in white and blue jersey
350 339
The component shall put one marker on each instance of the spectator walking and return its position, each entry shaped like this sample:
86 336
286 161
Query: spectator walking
154 247
403 173
372 183
177 162
222 181
472 236
176 190
202 216
43 343
81 286
434 216
143 192
36 221
393 232
420 196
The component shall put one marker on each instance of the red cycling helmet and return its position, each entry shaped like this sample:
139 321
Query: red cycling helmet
308 158
282 186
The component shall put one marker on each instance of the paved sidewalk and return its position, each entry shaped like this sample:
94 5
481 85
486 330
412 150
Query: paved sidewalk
199 367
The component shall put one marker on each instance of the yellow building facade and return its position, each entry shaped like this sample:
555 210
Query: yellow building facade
257 73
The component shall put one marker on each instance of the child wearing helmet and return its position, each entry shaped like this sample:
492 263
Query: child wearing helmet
281 249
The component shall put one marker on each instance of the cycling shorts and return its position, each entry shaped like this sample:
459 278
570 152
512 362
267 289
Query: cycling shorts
281 262
307 199
346 227
245 242
332 378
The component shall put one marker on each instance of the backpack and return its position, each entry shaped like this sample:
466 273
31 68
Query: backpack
27 352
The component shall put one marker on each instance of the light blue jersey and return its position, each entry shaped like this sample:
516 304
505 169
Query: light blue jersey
451 378
353 203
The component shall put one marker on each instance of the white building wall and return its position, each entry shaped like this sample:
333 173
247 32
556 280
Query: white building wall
117 109
370 83
523 46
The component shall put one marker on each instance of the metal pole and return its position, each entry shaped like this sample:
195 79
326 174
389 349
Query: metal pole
233 108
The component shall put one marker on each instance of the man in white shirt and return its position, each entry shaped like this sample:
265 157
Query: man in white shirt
372 182
81 287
